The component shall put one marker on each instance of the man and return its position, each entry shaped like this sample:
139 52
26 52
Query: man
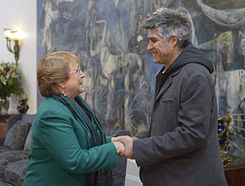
181 147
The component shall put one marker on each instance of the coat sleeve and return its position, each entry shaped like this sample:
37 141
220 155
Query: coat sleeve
108 139
142 134
193 124
58 137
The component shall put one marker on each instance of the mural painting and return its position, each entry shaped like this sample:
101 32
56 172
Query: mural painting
108 38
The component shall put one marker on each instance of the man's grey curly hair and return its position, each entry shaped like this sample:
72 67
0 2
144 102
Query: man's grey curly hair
169 22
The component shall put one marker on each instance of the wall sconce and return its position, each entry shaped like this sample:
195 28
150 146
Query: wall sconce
15 36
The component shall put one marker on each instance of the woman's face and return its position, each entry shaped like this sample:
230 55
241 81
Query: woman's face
74 84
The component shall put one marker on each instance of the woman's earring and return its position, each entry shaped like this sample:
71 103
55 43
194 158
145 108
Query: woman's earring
63 92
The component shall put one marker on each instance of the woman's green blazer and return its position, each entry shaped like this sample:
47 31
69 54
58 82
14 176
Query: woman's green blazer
59 151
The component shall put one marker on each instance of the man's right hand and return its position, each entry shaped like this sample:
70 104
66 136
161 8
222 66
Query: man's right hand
119 146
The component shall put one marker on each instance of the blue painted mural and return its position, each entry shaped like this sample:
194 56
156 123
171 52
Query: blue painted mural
108 38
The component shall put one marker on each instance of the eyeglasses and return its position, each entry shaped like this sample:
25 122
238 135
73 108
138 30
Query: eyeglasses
75 71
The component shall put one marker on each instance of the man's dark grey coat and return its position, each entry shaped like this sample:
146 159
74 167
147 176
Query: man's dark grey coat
181 147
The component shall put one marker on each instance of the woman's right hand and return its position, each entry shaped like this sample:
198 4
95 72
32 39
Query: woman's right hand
119 146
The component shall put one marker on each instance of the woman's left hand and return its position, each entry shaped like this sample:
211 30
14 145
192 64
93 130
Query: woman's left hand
119 146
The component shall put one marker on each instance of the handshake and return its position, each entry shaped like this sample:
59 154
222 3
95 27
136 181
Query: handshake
124 145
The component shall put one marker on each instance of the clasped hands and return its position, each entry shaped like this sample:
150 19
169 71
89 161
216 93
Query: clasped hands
124 145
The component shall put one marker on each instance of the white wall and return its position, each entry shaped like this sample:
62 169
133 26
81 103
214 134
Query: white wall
132 174
22 14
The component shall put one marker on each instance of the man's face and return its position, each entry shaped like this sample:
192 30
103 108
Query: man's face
160 50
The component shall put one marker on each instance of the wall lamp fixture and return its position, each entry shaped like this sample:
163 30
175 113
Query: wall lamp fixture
14 36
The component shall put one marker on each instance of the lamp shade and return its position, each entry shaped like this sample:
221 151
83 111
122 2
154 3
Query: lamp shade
12 34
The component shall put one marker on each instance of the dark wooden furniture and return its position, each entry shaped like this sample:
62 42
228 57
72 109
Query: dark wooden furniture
3 129
235 176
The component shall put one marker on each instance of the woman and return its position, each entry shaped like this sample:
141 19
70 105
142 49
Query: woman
68 145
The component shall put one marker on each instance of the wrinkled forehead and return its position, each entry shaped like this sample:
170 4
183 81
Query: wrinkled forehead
75 60
73 65
153 33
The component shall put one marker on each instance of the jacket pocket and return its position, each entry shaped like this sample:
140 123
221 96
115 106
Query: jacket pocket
168 100
164 117
169 109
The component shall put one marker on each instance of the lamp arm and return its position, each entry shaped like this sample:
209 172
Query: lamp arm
16 51
9 47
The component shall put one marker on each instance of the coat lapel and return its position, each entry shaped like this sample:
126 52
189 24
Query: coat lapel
165 86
